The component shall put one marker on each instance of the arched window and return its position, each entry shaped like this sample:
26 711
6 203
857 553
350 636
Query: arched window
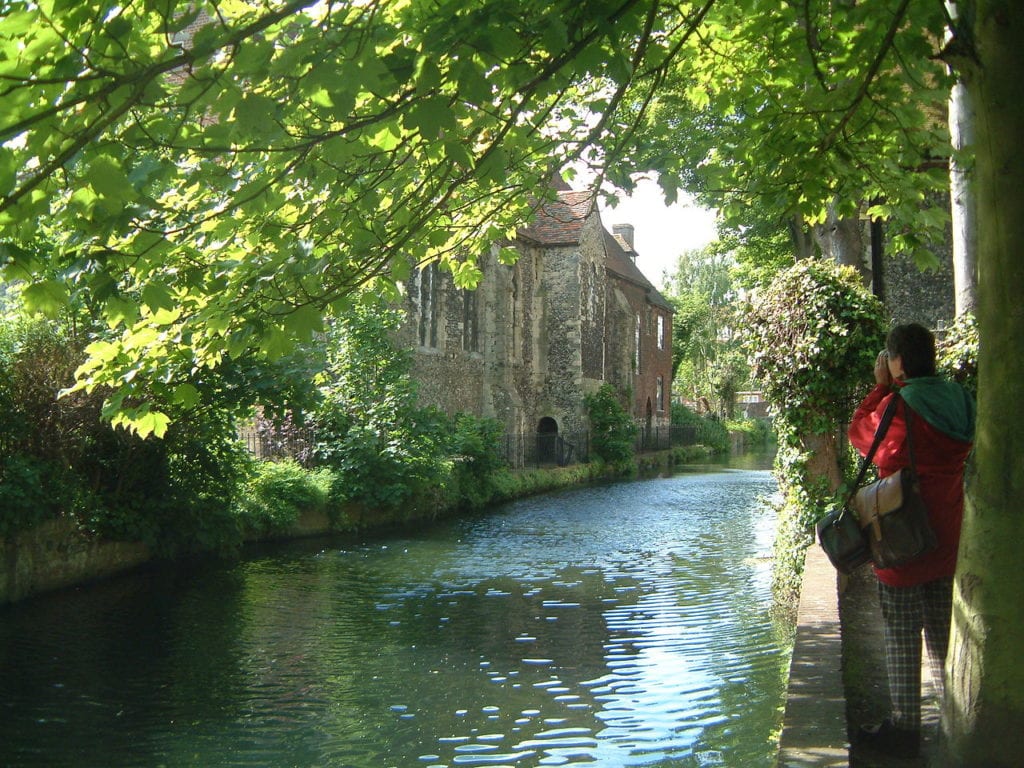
426 305
470 321
636 351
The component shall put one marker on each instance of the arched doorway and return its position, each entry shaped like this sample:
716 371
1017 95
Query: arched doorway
547 440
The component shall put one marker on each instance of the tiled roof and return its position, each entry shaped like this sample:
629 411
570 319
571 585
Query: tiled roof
620 263
559 222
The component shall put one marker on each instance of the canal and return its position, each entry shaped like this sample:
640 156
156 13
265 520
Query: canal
618 625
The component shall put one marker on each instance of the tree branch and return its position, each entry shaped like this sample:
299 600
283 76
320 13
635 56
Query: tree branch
876 65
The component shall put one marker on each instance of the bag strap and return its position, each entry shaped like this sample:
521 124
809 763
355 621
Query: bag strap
883 427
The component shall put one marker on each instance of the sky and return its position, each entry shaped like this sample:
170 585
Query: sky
661 233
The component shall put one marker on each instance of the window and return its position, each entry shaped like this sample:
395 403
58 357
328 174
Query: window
661 332
470 322
660 393
636 351
427 310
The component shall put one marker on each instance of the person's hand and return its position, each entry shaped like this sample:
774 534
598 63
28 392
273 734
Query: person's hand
882 369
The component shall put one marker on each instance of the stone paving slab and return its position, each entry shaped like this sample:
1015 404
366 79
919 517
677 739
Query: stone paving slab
837 675
815 725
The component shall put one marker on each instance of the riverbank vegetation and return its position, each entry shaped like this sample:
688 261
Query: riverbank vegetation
197 488
343 451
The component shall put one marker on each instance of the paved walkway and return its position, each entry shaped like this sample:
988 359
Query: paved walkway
837 675
814 731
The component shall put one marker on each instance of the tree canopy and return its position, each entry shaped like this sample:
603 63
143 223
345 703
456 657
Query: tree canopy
786 116
207 180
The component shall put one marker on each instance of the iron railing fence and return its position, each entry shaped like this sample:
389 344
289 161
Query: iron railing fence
663 438
539 449
520 450
273 445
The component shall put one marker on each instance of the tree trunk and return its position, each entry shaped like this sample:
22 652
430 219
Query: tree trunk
983 711
803 243
962 199
842 241
823 458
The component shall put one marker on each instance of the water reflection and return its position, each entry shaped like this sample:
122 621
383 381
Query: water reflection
623 625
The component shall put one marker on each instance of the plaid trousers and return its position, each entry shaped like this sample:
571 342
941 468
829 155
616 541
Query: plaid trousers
906 611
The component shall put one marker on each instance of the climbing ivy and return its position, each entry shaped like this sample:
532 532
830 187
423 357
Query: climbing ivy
813 335
957 353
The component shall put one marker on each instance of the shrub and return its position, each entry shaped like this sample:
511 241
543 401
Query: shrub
205 468
390 459
710 431
61 458
26 496
477 460
278 492
813 336
613 432
759 432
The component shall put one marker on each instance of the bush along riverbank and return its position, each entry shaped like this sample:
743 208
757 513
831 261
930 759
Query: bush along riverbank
284 500
356 450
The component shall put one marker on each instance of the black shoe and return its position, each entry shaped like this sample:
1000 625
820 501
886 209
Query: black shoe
885 738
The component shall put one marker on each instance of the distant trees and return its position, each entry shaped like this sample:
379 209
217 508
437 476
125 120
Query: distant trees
706 350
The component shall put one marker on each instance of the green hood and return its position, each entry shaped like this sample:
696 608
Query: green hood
945 405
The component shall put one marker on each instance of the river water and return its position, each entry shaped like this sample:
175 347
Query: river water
617 625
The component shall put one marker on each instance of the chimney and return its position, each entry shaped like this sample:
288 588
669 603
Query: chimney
625 231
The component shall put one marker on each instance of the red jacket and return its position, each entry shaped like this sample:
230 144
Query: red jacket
940 466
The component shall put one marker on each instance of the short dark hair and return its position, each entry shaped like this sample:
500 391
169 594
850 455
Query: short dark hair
915 345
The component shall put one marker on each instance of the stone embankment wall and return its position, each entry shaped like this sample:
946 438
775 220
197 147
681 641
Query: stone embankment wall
57 554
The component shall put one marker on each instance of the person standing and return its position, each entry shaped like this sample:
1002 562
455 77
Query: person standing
916 597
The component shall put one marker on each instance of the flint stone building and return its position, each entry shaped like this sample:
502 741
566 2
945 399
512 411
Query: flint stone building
533 339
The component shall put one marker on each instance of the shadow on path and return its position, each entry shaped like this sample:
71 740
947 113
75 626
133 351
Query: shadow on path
864 677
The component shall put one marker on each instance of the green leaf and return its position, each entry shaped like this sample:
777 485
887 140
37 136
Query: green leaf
8 170
457 153
186 395
494 167
275 343
430 116
108 179
120 310
143 422
385 139
157 296
305 321
256 115
47 297
427 75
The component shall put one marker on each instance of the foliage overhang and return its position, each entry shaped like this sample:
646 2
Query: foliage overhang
207 196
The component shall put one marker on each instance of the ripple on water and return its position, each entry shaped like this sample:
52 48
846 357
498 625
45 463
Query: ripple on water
621 624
